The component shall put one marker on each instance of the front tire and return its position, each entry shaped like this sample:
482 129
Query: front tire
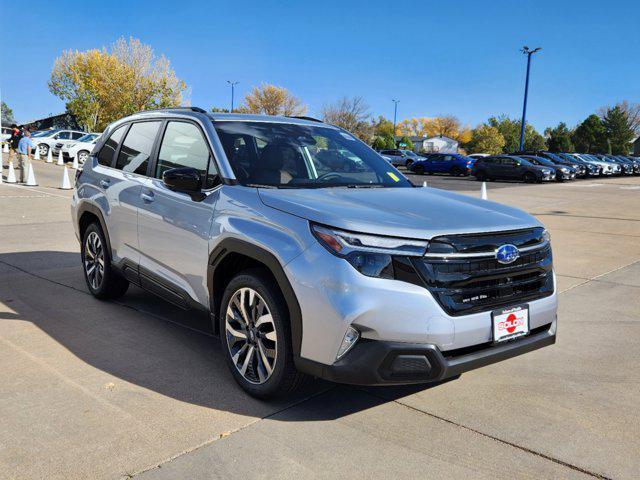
529 178
256 336
102 280
418 170
83 156
44 149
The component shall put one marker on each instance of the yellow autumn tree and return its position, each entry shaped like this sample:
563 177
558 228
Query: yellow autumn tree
102 85
272 100
448 126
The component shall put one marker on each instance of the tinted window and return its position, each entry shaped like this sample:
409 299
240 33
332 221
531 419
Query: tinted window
63 136
105 157
184 146
136 148
76 135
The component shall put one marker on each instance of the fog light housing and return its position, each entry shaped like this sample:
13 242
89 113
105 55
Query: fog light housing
350 338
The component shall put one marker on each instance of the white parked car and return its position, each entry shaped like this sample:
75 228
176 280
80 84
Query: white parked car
47 139
478 155
82 147
6 134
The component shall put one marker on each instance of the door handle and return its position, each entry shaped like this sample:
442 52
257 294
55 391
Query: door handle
104 183
148 197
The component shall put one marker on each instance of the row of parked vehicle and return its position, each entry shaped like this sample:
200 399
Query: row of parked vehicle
531 166
70 142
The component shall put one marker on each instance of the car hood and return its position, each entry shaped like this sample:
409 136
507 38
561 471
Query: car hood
421 213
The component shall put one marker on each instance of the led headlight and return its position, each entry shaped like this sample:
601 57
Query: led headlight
371 255
564 169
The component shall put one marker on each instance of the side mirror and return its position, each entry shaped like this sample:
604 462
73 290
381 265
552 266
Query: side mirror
184 179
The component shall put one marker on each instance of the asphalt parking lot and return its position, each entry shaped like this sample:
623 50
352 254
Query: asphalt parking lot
137 388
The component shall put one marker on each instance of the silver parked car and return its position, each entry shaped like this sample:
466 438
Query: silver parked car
311 253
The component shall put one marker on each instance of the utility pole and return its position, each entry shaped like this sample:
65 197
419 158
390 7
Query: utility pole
525 50
395 115
233 84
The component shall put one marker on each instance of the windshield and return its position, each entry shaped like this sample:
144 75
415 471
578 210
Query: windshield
270 154
409 153
88 138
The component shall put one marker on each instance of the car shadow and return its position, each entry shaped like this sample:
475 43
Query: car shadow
147 342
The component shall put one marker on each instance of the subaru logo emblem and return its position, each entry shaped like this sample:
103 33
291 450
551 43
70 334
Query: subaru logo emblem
507 254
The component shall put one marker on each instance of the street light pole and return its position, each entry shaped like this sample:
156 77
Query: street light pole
233 84
395 114
525 50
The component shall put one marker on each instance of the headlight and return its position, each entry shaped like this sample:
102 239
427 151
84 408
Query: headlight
546 235
546 172
371 255
564 169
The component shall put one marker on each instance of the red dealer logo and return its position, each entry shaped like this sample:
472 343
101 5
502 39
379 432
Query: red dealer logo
511 323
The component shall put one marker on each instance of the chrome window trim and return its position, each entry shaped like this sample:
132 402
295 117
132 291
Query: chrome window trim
491 254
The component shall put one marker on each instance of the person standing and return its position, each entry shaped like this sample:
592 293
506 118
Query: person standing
24 153
16 135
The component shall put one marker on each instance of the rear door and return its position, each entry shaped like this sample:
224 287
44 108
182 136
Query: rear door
173 227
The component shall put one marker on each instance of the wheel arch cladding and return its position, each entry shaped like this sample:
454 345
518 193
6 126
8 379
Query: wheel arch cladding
232 256
88 214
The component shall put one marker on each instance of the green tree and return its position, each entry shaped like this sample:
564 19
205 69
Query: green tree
406 141
382 127
352 114
219 110
510 130
590 136
100 86
618 130
6 114
559 138
485 139
383 142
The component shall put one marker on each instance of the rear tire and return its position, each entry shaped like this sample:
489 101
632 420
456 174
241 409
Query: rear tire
418 170
408 163
103 281
456 172
256 336
481 176
529 178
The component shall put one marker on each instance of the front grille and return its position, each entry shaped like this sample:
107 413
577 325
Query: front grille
467 284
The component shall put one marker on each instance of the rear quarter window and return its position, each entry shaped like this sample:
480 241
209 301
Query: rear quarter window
105 156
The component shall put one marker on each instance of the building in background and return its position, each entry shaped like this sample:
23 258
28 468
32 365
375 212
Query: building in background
439 144
636 146
61 120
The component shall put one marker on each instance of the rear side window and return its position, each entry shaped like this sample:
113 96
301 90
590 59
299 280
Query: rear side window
136 148
184 146
105 157
76 135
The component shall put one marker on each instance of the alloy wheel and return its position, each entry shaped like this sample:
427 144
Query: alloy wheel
82 157
94 260
251 335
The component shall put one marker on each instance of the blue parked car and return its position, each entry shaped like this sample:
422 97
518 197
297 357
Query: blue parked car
449 163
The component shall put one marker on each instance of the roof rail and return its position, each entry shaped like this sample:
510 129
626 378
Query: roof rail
193 109
302 117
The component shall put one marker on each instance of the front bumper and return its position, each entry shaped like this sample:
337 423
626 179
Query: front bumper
392 363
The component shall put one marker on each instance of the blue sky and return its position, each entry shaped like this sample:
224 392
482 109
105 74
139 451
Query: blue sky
457 58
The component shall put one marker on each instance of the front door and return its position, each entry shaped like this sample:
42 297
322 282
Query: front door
173 227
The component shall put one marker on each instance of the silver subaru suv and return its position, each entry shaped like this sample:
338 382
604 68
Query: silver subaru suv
312 254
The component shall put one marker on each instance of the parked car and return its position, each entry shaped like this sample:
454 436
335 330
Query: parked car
301 264
507 167
636 163
628 167
6 134
590 169
563 172
617 167
46 139
607 168
449 163
82 148
401 158
579 167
